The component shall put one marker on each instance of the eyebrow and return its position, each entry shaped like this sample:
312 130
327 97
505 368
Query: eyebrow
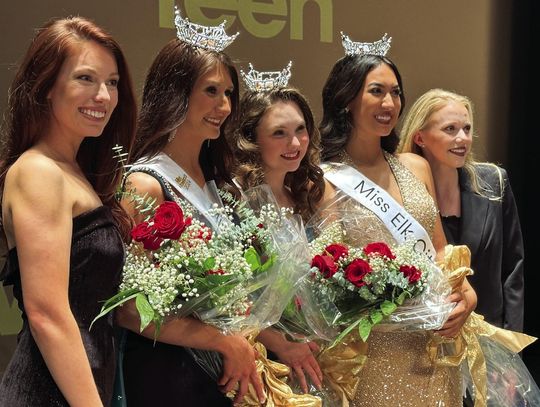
90 69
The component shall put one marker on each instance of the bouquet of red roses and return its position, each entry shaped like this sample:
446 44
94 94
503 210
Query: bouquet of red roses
177 266
360 287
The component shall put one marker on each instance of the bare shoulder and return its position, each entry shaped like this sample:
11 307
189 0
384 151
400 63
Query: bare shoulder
35 175
142 183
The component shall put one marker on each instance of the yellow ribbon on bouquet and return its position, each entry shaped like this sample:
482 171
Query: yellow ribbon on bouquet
274 380
341 365
466 346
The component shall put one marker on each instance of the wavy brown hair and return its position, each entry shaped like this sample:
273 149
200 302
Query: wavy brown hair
29 111
306 183
343 84
167 88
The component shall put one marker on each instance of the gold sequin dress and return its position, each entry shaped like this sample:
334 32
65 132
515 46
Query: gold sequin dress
398 371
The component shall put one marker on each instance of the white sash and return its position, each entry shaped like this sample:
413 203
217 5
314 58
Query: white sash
401 224
182 184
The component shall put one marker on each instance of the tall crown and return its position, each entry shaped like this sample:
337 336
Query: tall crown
379 47
266 80
211 38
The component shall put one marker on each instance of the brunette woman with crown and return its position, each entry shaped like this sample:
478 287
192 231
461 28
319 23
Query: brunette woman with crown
189 98
362 101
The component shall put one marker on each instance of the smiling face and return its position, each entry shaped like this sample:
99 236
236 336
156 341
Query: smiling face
375 110
282 138
85 92
447 138
209 104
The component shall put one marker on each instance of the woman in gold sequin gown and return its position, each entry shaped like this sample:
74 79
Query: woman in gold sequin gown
362 101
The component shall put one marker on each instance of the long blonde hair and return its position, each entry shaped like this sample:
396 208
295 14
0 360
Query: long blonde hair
417 119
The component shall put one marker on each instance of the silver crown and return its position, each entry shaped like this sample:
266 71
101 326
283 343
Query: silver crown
380 47
268 80
211 38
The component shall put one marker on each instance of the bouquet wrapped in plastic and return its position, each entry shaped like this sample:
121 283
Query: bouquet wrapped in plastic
493 371
237 277
361 279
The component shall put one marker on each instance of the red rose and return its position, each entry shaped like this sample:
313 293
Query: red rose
337 251
380 249
169 221
325 264
218 272
356 271
146 234
411 272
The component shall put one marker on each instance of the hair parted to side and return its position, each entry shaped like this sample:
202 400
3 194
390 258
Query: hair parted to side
418 118
29 111
165 103
344 82
307 182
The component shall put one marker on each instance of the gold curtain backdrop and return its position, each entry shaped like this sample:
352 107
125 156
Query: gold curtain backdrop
459 45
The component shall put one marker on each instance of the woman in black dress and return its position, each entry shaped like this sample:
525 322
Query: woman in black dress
190 96
71 101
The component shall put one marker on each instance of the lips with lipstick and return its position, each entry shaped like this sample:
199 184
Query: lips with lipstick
213 121
291 156
384 118
95 114
460 151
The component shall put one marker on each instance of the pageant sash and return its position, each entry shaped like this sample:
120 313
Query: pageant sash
401 224
183 185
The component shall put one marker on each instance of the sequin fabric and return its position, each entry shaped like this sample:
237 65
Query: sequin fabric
398 372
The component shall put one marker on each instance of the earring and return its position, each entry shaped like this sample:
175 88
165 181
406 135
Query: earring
421 145
171 136
208 143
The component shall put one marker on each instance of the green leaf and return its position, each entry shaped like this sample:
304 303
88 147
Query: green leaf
345 332
387 307
115 301
402 297
146 312
268 263
364 328
209 263
376 316
252 258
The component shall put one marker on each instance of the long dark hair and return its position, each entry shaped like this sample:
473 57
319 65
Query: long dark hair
29 111
307 182
342 86
167 88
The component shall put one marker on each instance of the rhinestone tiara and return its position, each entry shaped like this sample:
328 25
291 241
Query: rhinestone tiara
379 47
266 80
210 38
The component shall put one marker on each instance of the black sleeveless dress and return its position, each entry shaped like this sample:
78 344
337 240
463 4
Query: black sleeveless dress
97 256
159 374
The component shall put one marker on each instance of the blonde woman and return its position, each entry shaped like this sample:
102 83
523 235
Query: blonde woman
475 199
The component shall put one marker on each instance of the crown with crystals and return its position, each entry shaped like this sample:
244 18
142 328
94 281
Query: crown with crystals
211 38
380 47
267 80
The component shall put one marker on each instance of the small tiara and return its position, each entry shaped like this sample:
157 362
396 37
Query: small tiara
211 38
380 47
268 80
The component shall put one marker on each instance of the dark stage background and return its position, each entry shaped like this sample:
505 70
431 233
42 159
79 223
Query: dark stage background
479 48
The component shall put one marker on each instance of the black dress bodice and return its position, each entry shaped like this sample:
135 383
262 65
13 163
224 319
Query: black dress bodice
96 260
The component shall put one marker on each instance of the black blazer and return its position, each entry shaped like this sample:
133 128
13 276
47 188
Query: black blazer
491 230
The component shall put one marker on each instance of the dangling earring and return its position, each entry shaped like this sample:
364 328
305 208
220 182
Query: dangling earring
171 136
208 143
